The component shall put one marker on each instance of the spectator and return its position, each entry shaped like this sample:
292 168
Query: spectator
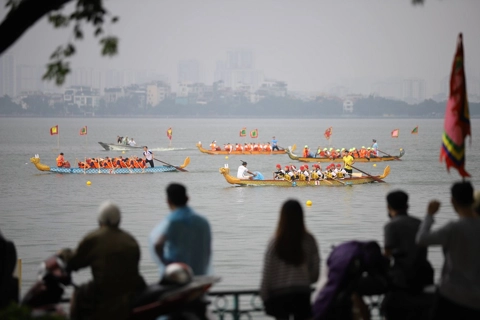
411 270
458 296
291 265
183 236
8 284
113 255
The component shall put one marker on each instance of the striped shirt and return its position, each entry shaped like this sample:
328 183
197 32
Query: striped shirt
280 277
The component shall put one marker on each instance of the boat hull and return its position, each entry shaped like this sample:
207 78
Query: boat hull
376 159
223 152
113 171
118 147
164 168
302 183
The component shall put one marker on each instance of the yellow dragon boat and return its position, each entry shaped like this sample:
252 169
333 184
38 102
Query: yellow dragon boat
233 152
358 178
325 159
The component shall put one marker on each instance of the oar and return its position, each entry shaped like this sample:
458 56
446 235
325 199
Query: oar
388 155
168 164
368 174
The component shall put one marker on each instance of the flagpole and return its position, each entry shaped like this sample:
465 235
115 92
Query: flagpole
58 141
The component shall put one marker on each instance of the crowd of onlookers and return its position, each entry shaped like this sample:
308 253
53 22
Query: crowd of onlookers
401 272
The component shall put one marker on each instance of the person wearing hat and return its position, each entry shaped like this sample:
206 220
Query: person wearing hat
242 172
279 174
375 148
114 257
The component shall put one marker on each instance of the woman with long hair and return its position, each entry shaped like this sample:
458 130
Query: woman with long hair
291 266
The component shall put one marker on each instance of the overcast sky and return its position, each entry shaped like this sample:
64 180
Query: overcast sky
309 44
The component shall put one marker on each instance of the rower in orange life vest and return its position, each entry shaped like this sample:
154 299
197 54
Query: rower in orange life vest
61 163
213 145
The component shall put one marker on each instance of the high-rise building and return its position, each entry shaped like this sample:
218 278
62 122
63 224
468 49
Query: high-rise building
414 90
189 71
238 70
7 76
29 78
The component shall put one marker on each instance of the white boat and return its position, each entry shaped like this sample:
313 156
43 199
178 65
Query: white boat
119 147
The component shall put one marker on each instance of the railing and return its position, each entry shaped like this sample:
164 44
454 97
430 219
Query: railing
243 304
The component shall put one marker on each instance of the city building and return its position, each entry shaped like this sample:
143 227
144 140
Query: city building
414 90
157 92
84 97
7 76
238 69
189 71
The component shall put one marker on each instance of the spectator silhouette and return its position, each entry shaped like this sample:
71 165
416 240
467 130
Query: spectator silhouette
8 283
291 265
458 295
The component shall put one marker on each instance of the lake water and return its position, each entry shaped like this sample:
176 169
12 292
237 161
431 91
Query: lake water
43 212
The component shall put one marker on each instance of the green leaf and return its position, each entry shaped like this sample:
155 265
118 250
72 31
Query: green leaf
69 50
98 31
109 46
115 19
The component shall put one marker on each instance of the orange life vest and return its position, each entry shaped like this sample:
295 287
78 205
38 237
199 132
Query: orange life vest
60 161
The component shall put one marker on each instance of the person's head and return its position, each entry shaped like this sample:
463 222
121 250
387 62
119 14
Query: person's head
290 232
61 153
462 195
397 203
374 140
177 195
273 137
109 215
244 163
145 148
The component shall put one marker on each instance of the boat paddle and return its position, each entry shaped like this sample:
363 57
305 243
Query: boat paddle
389 155
368 174
171 165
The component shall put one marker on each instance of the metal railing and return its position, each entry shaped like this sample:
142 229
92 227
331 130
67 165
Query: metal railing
245 304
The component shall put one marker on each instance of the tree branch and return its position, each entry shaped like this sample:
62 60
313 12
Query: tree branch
25 15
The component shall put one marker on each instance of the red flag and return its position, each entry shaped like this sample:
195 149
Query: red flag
457 116
54 130
169 133
243 132
415 130
395 133
83 131
254 133
328 133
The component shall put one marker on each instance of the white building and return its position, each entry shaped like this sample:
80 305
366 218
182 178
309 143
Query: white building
238 69
82 96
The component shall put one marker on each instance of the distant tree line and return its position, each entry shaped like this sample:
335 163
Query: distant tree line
272 107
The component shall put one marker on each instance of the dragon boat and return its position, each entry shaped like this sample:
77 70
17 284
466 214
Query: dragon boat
325 159
234 152
166 168
358 178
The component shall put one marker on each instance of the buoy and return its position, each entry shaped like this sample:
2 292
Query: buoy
308 203
88 183
123 151
374 164
226 157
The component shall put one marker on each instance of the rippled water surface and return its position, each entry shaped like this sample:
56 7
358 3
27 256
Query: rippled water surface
42 212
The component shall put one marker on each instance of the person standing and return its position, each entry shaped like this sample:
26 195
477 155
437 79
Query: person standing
458 295
132 142
183 236
291 265
8 283
113 256
375 147
148 156
242 172
348 162
275 144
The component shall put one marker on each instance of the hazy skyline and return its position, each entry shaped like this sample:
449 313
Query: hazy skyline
311 45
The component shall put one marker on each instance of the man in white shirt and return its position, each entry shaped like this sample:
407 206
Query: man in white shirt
242 172
148 155
132 142
458 295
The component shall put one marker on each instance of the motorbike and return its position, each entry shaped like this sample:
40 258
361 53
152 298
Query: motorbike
179 294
